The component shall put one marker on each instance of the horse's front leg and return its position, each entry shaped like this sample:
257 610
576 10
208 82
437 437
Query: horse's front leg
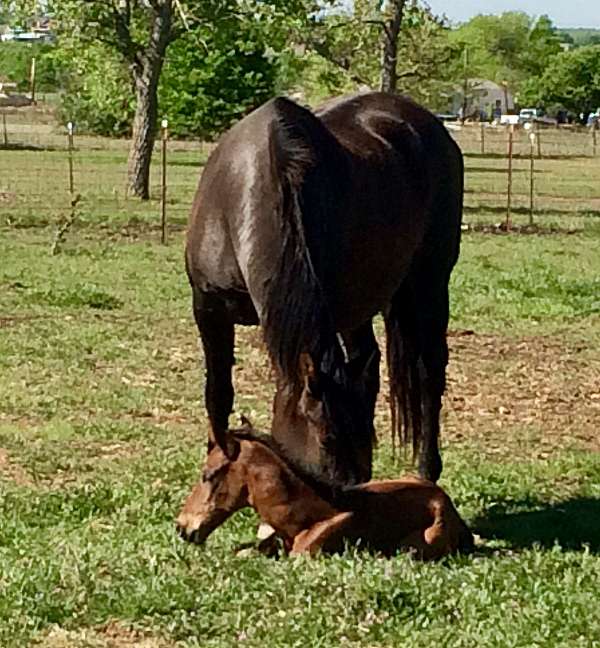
216 328
362 364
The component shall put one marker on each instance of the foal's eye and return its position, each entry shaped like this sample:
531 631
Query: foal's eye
209 474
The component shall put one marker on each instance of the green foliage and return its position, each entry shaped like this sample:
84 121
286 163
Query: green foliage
344 53
580 36
15 64
212 78
571 81
97 93
508 47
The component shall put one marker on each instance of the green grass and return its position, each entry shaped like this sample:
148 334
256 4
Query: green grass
102 432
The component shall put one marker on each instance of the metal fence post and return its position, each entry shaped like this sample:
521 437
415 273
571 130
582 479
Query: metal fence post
509 186
163 194
532 138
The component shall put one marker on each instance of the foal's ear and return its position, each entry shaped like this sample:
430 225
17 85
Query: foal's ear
231 447
246 423
306 367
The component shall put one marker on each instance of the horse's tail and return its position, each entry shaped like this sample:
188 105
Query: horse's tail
306 163
297 315
404 384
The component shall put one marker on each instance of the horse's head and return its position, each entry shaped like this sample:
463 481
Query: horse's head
220 492
326 422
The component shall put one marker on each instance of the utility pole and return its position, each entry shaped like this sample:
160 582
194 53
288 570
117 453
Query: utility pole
465 83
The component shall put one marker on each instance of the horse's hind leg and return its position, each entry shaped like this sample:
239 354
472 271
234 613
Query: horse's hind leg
216 328
431 367
417 355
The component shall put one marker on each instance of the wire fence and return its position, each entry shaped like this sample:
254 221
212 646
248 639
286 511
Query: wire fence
49 178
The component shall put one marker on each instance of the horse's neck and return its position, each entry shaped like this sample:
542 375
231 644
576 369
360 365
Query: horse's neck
280 497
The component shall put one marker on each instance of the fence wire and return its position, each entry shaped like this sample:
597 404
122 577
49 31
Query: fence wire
34 176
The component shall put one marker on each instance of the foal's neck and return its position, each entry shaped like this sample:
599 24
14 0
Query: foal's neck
279 496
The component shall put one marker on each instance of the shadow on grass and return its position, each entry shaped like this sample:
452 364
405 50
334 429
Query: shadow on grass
573 524
16 146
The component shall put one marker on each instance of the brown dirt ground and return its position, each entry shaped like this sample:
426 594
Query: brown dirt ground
513 396
110 635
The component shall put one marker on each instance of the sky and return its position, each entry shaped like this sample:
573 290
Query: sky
564 13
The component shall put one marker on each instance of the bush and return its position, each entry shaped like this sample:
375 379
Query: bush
97 93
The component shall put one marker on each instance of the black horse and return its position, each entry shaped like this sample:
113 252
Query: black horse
309 225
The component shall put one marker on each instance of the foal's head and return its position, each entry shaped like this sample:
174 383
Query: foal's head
220 492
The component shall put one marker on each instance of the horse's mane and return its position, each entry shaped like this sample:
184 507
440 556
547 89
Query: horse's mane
333 491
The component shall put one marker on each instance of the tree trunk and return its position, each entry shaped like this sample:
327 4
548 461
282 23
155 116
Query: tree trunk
144 129
389 56
146 66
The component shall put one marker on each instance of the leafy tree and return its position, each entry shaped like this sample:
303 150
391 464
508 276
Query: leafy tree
508 47
211 78
139 33
96 90
356 49
572 81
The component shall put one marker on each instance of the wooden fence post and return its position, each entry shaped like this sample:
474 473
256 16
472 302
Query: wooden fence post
532 138
509 187
595 126
4 130
482 131
70 149
163 194
32 80
539 140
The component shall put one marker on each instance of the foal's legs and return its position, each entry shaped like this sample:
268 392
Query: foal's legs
217 333
327 536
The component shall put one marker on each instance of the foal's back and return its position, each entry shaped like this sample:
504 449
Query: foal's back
387 516
412 513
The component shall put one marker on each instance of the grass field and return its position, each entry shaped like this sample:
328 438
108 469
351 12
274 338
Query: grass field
102 429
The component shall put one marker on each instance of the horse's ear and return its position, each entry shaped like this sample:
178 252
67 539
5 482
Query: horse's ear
226 442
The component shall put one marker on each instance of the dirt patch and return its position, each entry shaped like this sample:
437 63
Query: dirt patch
111 635
535 393
12 471
509 396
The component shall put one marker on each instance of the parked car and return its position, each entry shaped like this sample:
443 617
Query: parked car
528 115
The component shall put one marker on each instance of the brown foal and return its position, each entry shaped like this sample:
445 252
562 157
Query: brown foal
311 514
